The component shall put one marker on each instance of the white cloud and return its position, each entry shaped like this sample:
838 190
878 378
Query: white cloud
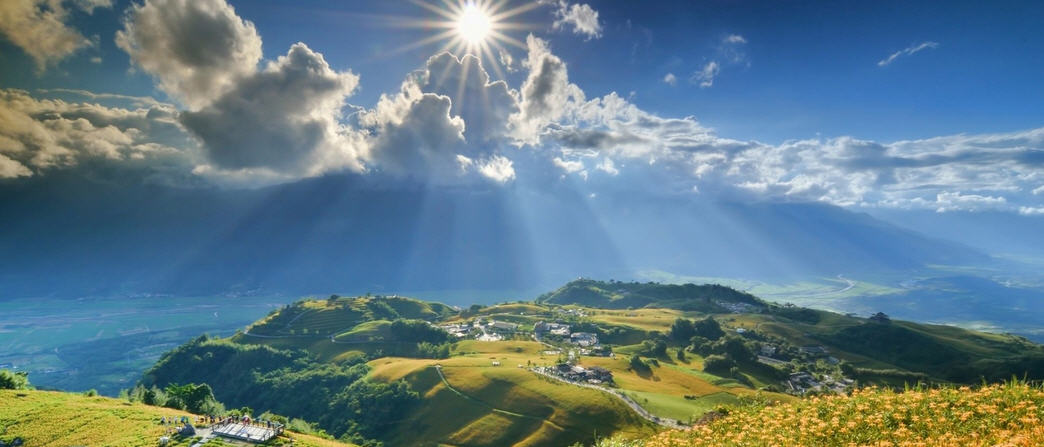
12 168
498 168
670 79
37 135
414 136
705 76
607 166
730 52
580 16
569 166
546 95
908 51
136 101
196 49
734 38
955 201
273 124
486 106
449 124
506 60
40 28
1031 211
285 118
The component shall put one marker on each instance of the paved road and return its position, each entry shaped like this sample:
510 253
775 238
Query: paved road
666 422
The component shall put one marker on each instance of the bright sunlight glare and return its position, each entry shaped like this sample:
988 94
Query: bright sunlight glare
473 24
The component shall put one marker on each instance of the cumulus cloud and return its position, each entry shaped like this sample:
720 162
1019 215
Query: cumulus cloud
40 28
1031 211
414 134
546 95
276 123
38 134
908 51
579 16
959 172
12 168
196 49
284 118
497 168
451 124
670 79
483 104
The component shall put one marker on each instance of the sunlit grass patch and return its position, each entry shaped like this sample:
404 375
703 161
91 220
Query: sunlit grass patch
1008 414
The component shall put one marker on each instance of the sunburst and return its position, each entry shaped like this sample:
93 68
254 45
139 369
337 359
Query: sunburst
478 27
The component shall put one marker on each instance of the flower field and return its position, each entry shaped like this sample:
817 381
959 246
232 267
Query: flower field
1008 414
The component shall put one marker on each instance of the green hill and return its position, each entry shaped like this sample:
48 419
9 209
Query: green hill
50 418
336 314
885 352
377 369
622 295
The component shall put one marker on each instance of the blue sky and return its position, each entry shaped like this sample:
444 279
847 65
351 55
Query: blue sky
809 69
796 101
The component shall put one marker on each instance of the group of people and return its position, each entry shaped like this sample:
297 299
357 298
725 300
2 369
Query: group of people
179 423
174 420
246 420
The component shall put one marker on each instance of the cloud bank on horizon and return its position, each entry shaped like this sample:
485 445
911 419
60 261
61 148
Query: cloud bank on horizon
239 120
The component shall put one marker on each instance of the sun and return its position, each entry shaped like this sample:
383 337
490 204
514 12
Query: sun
473 24
480 28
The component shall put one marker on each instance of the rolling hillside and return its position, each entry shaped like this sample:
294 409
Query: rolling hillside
56 419
940 353
377 369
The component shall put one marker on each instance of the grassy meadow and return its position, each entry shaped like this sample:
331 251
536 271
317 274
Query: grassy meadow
57 419
482 404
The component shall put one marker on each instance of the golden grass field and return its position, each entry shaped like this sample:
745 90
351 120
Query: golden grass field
644 319
523 408
1003 415
502 405
57 419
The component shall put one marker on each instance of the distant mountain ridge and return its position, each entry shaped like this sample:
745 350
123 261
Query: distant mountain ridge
346 233
622 295
942 352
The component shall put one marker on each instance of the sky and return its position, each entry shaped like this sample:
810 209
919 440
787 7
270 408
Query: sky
926 106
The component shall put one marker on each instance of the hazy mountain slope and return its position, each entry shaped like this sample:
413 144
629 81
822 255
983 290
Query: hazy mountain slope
76 236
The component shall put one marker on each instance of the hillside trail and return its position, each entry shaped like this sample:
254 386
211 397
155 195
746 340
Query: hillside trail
627 400
438 369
